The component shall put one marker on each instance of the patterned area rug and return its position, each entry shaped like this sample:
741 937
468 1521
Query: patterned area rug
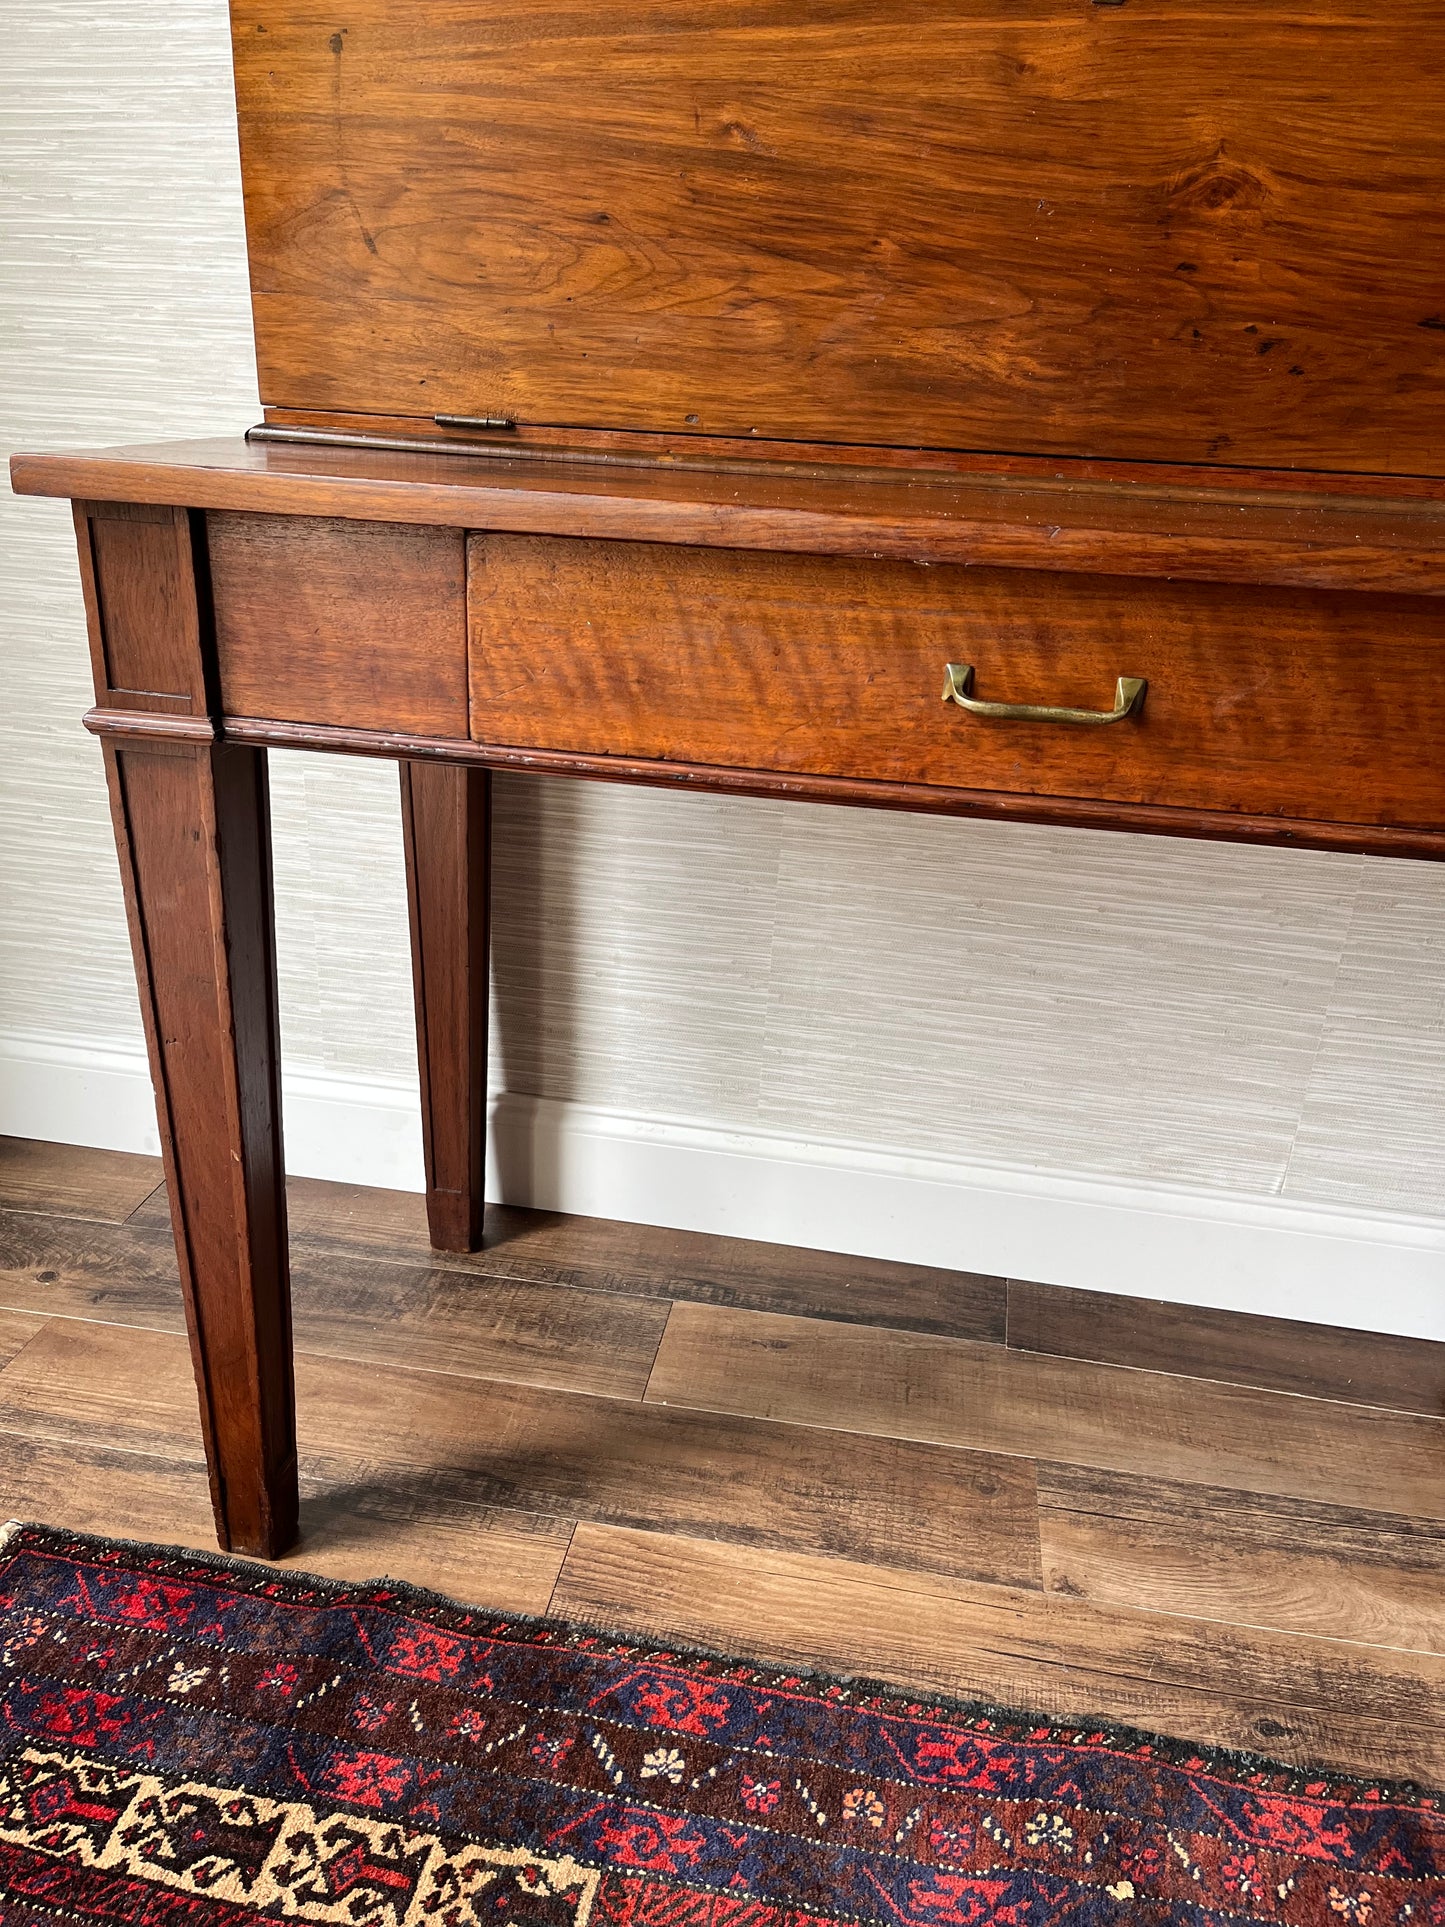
194 1740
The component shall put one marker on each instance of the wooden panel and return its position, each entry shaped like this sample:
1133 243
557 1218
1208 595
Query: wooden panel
89 1488
354 1525
492 1328
909 1505
75 1268
1379 533
446 821
1310 1701
138 575
1268 1621
327 621
193 831
74 1181
1208 235
1211 1553
357 1522
1320 1361
1296 704
987 1398
1001 806
534 1305
16 1331
348 1306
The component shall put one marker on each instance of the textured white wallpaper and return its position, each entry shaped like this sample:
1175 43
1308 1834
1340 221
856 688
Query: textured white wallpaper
1257 1022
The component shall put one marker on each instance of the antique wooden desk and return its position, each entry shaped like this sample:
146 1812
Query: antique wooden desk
1027 408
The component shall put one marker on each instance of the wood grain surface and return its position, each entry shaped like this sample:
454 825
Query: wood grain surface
72 1180
446 827
712 779
1204 1552
16 1331
584 1298
329 621
1287 1355
1205 526
353 1531
73 1267
561 1455
733 454
340 1222
988 1398
350 1303
441 1443
1206 235
191 818
1264 701
137 575
193 831
536 1299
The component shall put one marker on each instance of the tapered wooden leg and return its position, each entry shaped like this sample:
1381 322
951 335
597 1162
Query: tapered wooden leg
446 822
192 823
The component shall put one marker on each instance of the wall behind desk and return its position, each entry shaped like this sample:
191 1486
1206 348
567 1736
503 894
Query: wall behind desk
1184 1070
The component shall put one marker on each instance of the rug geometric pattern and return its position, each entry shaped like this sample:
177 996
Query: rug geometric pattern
191 1740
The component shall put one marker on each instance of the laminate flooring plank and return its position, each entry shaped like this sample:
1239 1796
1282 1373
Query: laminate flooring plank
987 1398
71 1268
600 1254
1211 1553
17 1328
432 1317
117 1386
1309 1702
84 1487
563 1455
68 1180
355 1525
1276 1354
351 1526
440 1320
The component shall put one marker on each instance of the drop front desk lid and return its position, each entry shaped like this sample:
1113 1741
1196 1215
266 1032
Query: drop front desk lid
1189 231
1154 287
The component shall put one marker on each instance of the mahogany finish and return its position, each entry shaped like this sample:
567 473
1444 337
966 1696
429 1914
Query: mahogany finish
1080 812
446 817
193 829
138 575
803 351
327 621
1272 702
1205 233
717 454
1034 516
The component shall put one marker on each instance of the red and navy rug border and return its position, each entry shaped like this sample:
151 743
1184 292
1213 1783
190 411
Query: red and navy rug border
1238 1767
183 1736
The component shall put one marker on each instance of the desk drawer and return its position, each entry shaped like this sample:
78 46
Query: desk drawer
1269 701
360 625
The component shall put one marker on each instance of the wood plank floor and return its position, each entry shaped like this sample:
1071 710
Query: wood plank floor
1228 1529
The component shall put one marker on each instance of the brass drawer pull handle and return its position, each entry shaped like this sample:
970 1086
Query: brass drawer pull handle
1128 696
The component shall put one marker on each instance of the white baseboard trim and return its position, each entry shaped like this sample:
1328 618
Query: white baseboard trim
354 1130
1374 1270
76 1093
